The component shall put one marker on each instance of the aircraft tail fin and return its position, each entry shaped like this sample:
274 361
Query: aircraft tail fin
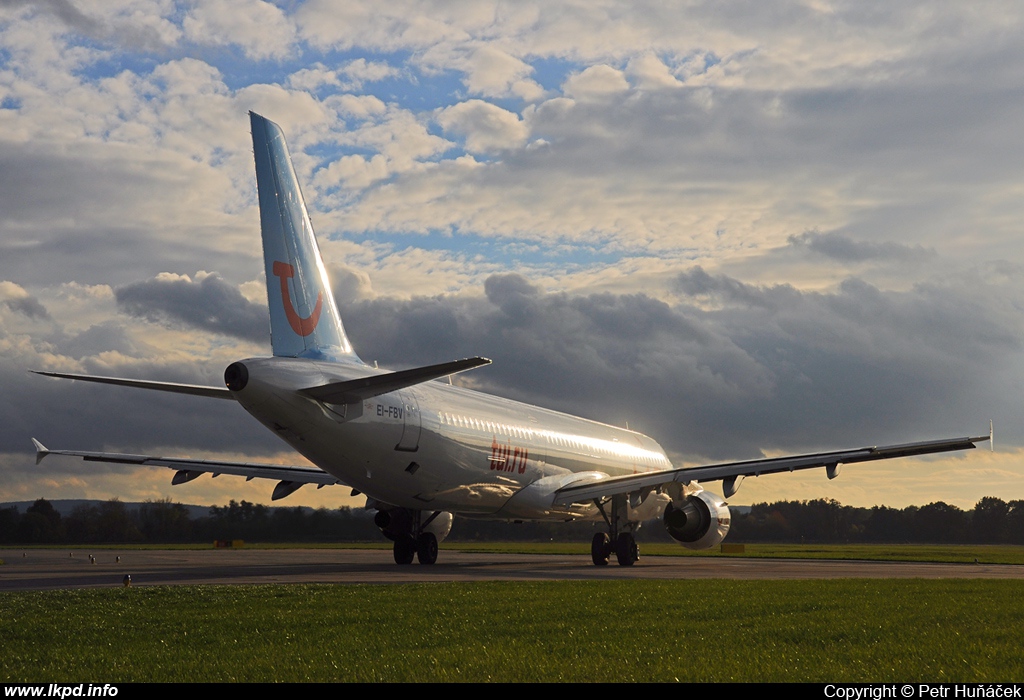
304 318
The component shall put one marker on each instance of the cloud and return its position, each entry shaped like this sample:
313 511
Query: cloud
75 414
486 127
650 72
28 306
355 73
111 218
260 28
399 140
311 79
766 368
143 26
726 290
361 106
361 71
492 72
355 171
106 337
16 299
349 285
596 83
843 248
206 303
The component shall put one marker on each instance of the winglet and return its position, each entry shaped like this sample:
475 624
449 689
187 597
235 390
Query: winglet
41 450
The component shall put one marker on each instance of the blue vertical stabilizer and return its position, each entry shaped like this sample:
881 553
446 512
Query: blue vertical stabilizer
304 319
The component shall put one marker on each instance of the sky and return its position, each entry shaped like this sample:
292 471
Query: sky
742 228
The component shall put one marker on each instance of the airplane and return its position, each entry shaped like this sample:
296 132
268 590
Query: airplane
422 449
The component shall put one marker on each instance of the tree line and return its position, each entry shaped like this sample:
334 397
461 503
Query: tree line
991 521
164 522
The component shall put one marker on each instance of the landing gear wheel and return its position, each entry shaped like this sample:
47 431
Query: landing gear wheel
426 548
600 548
405 549
626 550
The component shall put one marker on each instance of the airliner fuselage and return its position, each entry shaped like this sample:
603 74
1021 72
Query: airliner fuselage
442 447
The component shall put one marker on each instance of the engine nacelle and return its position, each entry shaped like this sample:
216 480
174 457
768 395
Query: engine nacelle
701 522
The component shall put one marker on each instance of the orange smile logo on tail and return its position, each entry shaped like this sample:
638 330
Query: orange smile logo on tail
302 326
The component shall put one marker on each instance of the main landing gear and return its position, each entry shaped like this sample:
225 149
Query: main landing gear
423 548
622 543
626 550
406 529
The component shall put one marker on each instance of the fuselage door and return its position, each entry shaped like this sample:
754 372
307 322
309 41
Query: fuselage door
410 440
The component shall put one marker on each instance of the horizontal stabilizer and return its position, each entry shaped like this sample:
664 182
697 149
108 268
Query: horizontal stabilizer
355 390
212 392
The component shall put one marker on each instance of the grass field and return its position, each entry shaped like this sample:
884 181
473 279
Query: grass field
846 630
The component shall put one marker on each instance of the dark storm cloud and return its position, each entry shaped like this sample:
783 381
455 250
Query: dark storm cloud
78 415
870 364
845 249
767 367
572 351
209 304
698 283
731 370
28 306
103 337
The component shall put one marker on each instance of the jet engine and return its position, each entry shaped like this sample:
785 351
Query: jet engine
701 521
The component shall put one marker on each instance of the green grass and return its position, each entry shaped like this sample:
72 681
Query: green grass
835 631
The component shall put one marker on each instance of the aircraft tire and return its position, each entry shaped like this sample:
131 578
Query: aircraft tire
626 549
405 549
426 548
600 548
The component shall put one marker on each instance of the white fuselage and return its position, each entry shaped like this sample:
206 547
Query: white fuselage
434 446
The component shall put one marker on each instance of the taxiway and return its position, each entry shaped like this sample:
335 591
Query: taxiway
42 569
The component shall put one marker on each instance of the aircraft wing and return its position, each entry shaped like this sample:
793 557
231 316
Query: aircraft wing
733 472
289 478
